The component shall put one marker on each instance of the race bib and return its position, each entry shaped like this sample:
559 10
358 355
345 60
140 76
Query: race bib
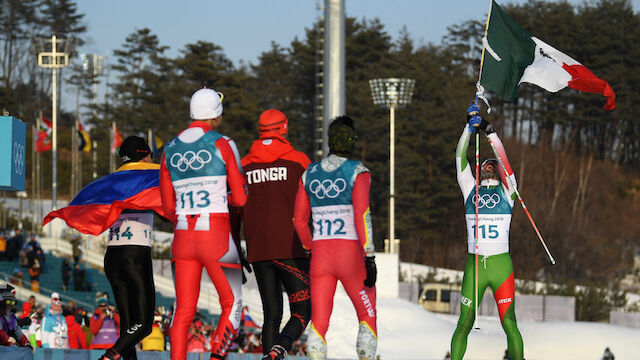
493 233
333 222
201 195
131 229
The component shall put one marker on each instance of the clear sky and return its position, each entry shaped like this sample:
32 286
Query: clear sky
246 28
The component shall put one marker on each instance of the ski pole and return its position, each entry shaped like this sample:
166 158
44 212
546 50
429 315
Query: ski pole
475 321
553 262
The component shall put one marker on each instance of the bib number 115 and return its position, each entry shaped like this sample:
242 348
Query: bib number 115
491 229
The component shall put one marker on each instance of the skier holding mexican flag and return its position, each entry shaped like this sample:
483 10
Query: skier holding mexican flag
510 57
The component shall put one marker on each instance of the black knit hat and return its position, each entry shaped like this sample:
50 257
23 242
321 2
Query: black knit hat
133 148
342 136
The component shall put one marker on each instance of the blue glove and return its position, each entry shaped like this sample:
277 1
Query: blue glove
472 110
473 119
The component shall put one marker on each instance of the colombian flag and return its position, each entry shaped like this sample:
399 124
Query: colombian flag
98 205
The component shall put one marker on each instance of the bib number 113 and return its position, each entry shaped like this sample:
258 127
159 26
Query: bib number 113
201 199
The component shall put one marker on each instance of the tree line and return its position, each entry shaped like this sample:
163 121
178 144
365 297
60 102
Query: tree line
576 164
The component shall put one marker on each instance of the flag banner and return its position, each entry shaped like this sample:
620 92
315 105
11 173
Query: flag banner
156 145
43 140
84 141
512 56
116 141
98 205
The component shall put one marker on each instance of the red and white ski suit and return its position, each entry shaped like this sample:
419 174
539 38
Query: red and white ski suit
202 236
338 258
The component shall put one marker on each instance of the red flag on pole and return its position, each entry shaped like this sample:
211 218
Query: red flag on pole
43 141
117 140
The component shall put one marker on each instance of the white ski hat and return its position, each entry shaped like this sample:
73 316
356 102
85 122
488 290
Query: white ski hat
206 104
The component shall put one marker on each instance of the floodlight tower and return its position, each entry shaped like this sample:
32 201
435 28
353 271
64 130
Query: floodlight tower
392 93
54 60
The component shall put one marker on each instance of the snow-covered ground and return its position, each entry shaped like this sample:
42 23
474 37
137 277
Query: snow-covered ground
407 331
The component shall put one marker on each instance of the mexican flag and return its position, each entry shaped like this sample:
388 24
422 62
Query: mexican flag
512 56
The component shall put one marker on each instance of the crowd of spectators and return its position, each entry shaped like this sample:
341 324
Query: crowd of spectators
13 245
68 326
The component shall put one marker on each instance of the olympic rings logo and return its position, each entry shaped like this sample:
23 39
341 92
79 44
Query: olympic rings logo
18 158
327 188
190 160
488 200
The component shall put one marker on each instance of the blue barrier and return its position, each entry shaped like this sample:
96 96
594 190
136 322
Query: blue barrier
19 353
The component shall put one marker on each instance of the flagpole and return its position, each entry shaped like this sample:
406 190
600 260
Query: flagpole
112 151
38 173
33 176
95 159
74 155
486 31
475 320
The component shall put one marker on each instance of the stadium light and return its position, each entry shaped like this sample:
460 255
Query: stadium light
54 60
392 93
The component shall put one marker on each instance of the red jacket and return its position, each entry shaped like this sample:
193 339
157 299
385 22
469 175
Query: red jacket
77 337
273 169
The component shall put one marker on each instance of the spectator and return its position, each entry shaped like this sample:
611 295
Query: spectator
3 245
196 342
608 355
14 244
34 274
155 340
10 331
33 332
254 345
78 278
75 248
39 255
24 260
104 325
77 337
17 277
28 307
54 326
32 249
447 356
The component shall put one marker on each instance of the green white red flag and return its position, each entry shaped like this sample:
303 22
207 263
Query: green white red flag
512 56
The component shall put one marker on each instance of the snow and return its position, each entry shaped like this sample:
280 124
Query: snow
406 331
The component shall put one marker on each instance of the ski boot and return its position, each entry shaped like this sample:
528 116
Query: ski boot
277 352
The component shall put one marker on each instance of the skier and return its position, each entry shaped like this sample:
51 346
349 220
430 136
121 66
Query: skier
273 169
335 191
495 204
197 166
124 202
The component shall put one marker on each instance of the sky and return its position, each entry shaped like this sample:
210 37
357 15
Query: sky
245 28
